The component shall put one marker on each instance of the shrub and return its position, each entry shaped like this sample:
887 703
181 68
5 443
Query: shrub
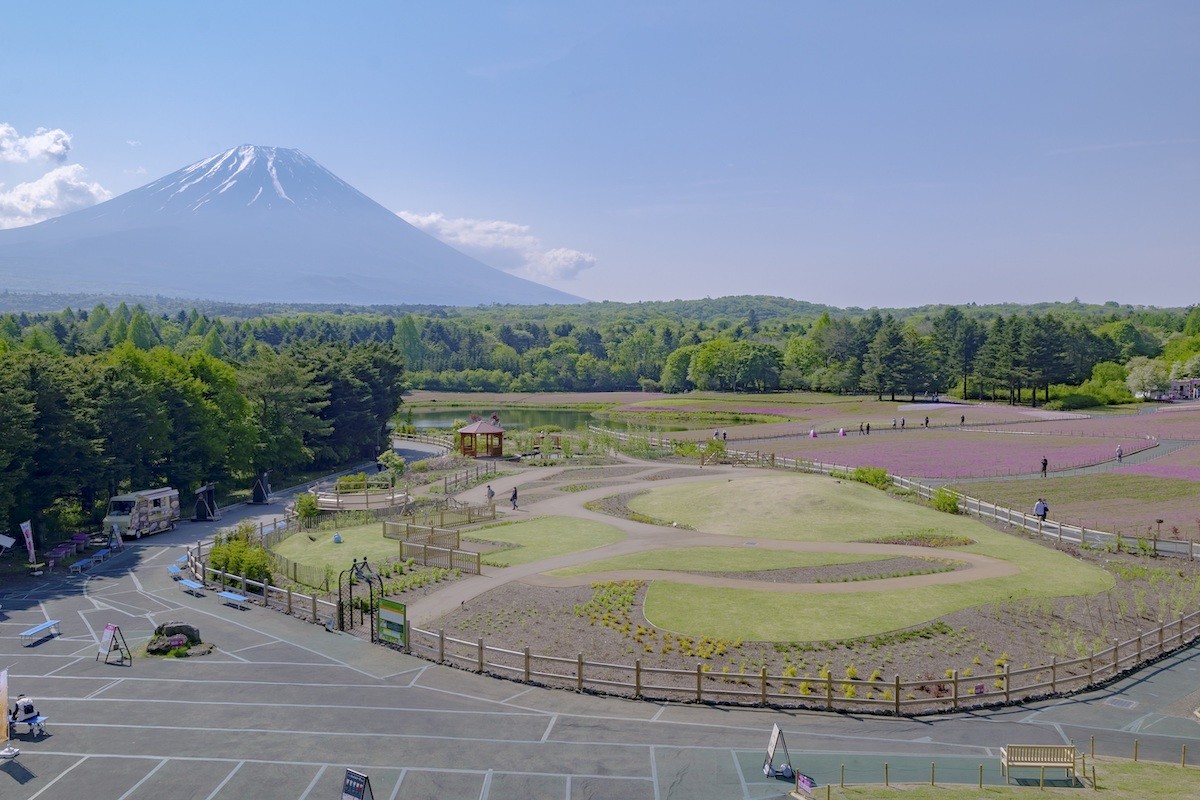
873 476
945 500
306 508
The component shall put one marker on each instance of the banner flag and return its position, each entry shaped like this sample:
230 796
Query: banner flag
27 530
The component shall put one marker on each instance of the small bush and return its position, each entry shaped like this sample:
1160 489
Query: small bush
945 500
873 476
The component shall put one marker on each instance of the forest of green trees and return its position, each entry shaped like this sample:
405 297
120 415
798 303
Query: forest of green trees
98 401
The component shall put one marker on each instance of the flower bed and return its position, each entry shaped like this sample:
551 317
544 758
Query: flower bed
950 453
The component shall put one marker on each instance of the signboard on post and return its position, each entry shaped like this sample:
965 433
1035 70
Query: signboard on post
393 623
356 786
106 641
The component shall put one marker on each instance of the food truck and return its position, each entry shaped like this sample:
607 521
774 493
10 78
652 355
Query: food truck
142 513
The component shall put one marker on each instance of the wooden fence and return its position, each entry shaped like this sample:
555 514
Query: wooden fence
422 534
467 477
896 696
428 555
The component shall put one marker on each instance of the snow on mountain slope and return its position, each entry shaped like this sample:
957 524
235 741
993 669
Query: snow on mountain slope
253 224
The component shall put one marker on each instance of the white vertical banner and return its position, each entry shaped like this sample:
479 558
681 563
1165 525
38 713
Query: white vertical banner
4 706
27 530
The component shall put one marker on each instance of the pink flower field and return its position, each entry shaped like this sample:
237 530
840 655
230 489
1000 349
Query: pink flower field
949 453
1183 464
1176 423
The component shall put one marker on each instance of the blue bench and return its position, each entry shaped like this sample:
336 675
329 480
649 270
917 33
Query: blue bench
82 564
39 632
233 598
36 724
101 554
182 559
174 571
191 587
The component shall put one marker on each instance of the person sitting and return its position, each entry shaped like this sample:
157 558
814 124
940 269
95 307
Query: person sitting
24 710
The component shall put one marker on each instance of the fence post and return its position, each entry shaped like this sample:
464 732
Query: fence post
699 683
954 690
1091 665
829 691
316 618
480 654
896 696
1139 649
1116 658
579 673
441 645
527 663
1053 674
1161 649
637 678
1007 684
763 684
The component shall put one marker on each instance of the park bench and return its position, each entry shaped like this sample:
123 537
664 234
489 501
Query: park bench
39 632
36 724
1056 756
174 571
101 554
233 598
191 587
80 565
182 559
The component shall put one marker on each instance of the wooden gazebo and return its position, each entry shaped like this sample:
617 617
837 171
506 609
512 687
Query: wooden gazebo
492 436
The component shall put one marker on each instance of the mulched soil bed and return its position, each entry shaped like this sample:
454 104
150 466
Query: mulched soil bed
837 573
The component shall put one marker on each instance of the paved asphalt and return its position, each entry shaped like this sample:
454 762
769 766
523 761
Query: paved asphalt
283 708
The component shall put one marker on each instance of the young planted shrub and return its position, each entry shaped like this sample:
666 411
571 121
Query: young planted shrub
945 500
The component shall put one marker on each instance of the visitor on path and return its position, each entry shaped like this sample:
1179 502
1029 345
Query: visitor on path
724 435
1120 454
1040 509
861 430
893 423
868 429
1045 464
513 499
927 422
962 420
23 710
716 435
902 423
491 493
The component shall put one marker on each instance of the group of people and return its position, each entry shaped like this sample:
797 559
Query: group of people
491 494
720 435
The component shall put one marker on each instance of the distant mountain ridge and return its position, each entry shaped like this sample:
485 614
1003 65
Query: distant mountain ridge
253 225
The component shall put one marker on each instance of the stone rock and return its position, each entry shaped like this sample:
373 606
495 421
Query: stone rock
169 629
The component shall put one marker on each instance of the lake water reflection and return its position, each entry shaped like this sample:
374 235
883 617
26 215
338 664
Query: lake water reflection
510 418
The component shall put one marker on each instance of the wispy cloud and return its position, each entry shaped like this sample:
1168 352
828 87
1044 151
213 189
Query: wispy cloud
43 143
59 191
509 246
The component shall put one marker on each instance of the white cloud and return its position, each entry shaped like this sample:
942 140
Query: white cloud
59 191
44 143
133 143
507 245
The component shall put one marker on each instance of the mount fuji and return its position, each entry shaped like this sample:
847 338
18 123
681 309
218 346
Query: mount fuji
253 224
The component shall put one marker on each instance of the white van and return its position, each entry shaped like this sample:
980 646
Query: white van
142 513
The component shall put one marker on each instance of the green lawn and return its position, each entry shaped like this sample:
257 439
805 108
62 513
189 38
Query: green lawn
357 542
545 537
717 559
814 508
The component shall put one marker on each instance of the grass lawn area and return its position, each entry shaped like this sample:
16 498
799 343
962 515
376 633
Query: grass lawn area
815 508
1116 502
717 559
357 542
544 537
1117 778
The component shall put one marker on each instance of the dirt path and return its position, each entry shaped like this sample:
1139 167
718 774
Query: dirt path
642 537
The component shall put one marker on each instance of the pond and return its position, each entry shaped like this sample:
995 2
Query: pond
510 418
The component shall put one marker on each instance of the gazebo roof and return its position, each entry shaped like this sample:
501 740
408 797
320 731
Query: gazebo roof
481 427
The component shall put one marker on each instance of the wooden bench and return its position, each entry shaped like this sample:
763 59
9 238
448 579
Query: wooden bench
233 598
1055 756
82 564
36 724
39 632
191 587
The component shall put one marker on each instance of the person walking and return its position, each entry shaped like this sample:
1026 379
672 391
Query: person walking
1040 509
491 494
861 429
868 429
1120 454
927 422
513 499
1045 464
962 420
902 423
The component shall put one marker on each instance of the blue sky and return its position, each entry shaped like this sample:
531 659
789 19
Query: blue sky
850 153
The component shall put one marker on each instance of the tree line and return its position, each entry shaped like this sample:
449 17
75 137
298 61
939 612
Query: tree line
103 402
